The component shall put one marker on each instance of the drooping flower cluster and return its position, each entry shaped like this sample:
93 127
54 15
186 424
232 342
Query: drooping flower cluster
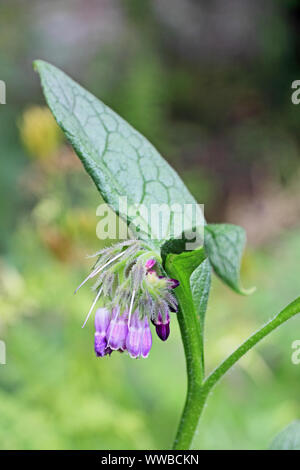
133 291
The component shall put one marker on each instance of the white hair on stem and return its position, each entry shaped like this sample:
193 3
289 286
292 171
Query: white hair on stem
131 305
92 307
97 270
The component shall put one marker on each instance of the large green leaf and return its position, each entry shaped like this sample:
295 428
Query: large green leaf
119 159
288 439
224 245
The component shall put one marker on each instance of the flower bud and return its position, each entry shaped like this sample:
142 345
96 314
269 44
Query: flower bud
162 326
150 263
173 283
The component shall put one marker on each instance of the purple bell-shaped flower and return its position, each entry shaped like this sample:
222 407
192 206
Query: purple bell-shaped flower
102 320
117 330
139 338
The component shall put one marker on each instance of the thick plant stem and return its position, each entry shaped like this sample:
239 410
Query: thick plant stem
193 404
198 390
177 267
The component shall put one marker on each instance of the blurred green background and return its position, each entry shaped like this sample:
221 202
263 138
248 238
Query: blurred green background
209 83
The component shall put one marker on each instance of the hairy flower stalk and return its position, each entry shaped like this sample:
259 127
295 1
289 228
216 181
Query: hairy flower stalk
133 292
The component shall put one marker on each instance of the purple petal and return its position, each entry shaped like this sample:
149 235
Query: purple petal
150 263
162 326
117 331
108 351
100 344
146 339
163 331
139 339
160 320
102 319
133 337
173 283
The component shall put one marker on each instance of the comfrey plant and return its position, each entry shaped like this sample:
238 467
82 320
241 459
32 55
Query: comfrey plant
144 279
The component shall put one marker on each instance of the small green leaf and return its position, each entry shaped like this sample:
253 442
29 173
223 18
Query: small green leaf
186 262
121 162
288 439
224 245
200 282
179 245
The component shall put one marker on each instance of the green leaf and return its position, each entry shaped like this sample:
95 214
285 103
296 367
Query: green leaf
186 262
224 245
192 294
180 245
288 439
119 159
200 282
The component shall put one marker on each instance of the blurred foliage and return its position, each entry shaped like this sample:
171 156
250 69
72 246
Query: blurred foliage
39 132
224 120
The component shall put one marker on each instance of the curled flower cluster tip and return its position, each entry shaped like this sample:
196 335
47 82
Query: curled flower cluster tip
133 292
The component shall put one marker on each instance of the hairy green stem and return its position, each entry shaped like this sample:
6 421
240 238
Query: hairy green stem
193 404
198 390
190 329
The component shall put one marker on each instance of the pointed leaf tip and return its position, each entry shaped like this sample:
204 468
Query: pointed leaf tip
120 161
224 245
